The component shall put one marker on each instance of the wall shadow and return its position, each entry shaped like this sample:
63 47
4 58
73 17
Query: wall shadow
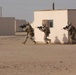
57 41
65 39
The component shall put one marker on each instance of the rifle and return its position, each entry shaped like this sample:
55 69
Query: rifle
65 28
39 27
22 26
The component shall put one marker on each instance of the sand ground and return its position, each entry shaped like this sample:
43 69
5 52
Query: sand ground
40 59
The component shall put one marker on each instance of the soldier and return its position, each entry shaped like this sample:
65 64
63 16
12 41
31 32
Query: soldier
71 30
46 31
30 32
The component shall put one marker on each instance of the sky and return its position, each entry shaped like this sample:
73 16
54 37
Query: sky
24 9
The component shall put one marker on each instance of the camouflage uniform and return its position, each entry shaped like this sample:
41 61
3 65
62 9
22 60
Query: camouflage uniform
72 31
46 31
30 33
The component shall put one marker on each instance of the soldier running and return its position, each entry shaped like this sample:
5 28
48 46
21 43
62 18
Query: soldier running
30 32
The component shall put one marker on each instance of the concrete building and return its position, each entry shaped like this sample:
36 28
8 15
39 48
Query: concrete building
0 11
7 25
18 23
56 20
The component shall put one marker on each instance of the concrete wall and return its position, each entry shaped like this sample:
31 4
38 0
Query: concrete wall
72 16
60 19
7 26
0 11
18 23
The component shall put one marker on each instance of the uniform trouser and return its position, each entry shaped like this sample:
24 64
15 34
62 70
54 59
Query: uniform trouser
46 39
30 38
72 37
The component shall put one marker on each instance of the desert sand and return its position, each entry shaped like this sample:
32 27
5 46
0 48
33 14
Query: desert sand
40 59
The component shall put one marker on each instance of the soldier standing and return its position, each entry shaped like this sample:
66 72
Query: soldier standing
71 30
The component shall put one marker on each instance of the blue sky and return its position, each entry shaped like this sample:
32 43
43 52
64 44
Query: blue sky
24 9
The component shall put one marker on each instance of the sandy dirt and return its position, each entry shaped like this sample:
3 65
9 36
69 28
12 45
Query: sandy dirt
40 59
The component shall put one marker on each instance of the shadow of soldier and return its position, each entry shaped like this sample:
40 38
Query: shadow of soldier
65 39
57 41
